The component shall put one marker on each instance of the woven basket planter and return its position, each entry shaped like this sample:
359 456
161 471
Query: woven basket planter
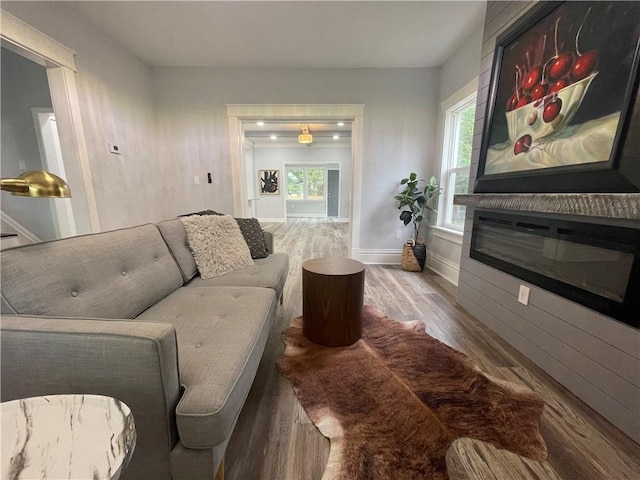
413 256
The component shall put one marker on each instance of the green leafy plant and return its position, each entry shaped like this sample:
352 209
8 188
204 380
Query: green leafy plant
415 201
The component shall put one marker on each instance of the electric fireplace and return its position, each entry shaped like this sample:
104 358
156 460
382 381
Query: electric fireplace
595 265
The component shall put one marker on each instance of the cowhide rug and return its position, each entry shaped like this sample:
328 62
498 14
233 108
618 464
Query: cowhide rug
393 402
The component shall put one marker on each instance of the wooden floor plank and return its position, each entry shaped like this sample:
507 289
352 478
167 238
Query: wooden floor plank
275 440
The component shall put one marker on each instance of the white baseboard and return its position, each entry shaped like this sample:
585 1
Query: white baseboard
443 267
379 257
440 265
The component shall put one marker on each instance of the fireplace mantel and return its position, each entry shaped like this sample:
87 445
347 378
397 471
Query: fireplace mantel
608 205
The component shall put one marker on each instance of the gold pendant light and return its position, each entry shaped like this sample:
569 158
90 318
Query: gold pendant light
305 137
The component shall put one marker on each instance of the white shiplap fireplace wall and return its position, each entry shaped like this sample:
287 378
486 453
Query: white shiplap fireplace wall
595 357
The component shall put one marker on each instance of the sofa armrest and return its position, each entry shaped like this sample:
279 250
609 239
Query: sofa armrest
135 362
268 240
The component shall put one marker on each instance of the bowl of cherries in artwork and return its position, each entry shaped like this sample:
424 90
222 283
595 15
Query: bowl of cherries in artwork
547 96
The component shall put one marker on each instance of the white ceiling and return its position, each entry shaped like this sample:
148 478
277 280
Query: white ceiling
295 33
288 33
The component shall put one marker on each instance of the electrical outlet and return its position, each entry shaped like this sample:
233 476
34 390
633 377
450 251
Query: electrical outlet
196 180
113 148
398 234
523 295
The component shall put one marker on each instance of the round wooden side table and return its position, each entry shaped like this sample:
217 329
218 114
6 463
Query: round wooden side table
332 300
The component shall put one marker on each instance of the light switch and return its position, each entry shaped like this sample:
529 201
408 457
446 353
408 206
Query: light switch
196 180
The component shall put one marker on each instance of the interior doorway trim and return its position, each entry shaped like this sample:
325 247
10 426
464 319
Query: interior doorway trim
48 137
59 62
237 113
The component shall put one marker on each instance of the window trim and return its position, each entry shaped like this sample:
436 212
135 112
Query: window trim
454 236
450 111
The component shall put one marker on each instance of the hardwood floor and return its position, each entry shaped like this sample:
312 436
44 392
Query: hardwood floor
275 440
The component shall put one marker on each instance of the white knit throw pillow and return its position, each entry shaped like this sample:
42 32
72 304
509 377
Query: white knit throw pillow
217 244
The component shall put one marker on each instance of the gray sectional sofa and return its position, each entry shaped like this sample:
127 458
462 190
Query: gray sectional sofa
125 314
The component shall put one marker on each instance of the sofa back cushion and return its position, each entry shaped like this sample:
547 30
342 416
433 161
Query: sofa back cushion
175 235
116 274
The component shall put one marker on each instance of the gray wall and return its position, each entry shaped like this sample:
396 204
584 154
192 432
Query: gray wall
461 68
24 86
399 127
595 357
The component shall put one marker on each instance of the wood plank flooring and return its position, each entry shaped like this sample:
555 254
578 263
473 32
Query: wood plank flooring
275 440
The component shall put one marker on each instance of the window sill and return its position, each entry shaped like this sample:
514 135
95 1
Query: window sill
453 236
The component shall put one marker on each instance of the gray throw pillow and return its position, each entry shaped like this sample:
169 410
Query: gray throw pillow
217 244
202 212
254 236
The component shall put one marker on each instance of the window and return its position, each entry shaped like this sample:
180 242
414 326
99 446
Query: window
305 183
456 160
295 183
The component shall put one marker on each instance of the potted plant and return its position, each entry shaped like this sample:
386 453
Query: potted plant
415 201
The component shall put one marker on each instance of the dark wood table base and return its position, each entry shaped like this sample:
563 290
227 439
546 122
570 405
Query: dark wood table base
332 300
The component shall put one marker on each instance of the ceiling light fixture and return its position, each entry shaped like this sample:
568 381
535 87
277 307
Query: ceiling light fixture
305 137
336 137
341 124
260 123
273 137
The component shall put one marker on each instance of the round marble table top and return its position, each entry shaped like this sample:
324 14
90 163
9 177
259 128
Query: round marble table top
66 436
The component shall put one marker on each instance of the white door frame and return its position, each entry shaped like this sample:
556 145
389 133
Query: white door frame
59 62
237 113
44 122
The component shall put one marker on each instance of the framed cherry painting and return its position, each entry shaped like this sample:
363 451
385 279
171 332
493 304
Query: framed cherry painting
564 83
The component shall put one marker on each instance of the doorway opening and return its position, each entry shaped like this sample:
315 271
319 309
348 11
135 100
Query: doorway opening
46 129
353 113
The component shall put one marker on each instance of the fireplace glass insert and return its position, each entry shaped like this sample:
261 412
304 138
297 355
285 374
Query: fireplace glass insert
595 265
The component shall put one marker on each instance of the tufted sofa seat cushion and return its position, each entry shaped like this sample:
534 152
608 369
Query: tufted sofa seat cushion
269 272
81 276
218 357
